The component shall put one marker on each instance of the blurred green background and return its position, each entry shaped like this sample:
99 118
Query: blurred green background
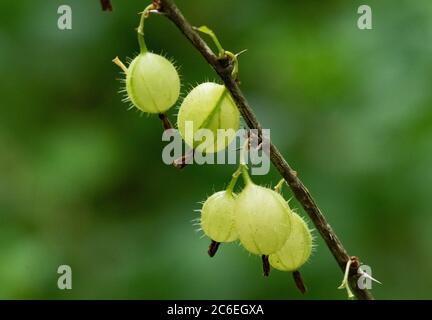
82 182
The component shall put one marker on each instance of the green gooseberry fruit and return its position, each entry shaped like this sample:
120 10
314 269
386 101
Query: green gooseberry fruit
208 106
152 83
263 218
217 217
296 250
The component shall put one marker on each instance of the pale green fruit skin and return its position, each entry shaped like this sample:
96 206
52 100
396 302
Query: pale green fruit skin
263 219
209 105
217 217
152 83
296 250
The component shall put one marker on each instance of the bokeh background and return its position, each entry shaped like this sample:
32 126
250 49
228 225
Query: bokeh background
82 182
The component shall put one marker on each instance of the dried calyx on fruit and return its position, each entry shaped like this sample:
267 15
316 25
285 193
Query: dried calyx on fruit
263 219
263 222
152 81
208 106
296 250
217 216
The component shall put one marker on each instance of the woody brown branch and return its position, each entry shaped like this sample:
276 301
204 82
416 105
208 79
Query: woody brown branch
300 191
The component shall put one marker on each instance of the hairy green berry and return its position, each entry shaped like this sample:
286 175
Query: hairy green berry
152 83
208 106
263 218
296 250
217 217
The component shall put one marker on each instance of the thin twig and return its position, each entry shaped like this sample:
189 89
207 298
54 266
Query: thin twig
223 69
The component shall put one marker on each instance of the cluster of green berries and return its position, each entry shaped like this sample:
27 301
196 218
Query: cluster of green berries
258 217
261 220
153 87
